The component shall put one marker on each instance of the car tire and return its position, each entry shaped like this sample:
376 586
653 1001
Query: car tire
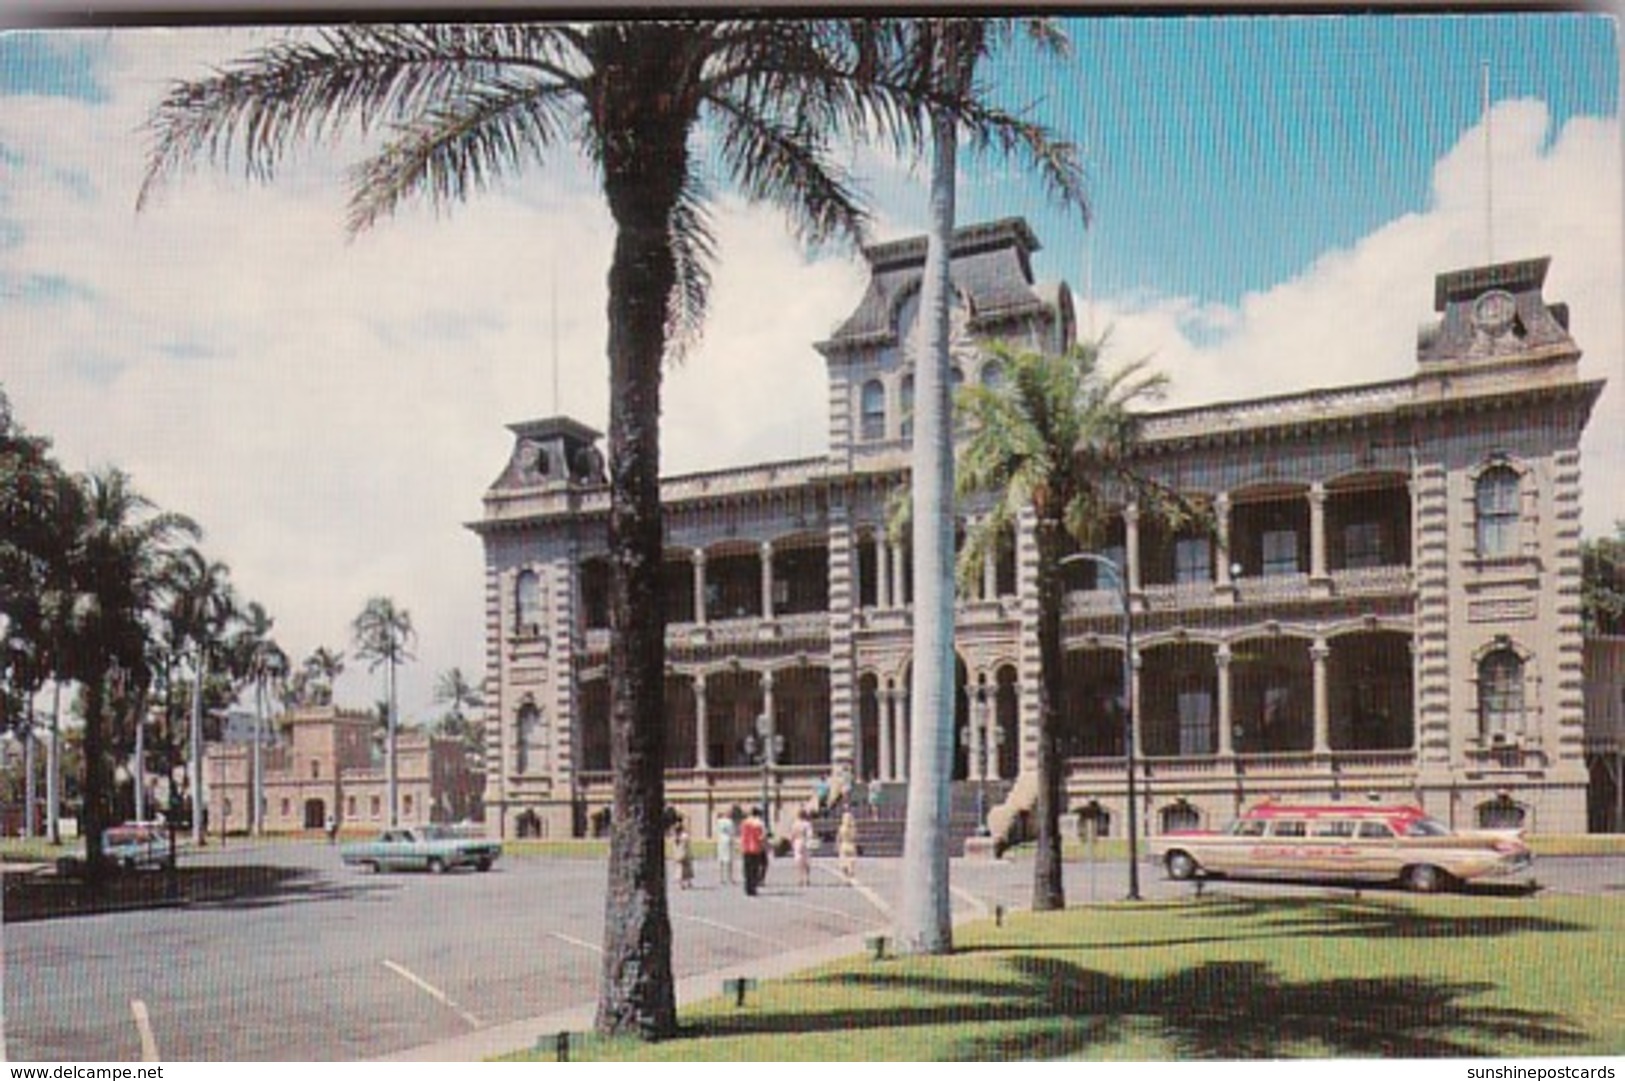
1425 878
437 866
1181 866
368 867
483 865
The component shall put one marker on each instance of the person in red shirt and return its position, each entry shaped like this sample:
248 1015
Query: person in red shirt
753 847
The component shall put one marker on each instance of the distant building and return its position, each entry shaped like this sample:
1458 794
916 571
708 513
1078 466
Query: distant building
1390 604
324 765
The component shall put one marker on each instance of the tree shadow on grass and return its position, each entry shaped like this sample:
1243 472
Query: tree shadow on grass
1297 917
46 896
1215 1010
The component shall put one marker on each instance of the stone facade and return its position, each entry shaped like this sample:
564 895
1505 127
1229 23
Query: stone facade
323 765
1389 603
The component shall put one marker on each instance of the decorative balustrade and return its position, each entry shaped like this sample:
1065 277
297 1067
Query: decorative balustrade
1348 765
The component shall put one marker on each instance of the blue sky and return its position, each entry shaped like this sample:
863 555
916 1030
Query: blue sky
1273 198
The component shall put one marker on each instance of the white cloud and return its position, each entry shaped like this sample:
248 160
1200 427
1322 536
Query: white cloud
1352 316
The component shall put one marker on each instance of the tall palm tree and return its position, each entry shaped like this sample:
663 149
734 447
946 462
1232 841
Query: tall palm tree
453 690
201 611
459 107
258 663
118 555
1056 437
946 52
321 671
383 635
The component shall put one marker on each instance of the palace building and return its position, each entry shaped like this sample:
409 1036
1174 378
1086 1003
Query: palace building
1388 602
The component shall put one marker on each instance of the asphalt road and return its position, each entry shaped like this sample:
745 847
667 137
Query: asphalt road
332 964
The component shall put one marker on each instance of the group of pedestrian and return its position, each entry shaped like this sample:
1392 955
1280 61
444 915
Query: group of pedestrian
743 838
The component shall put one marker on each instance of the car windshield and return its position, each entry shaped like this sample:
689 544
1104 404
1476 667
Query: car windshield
1427 827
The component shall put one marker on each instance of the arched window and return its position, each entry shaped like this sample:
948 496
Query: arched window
1500 695
525 736
1501 813
907 407
872 423
1496 503
528 604
1180 816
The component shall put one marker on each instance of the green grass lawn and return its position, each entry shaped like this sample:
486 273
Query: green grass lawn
1212 978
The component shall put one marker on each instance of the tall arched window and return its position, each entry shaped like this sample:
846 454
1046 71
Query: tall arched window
1496 504
872 422
525 735
1500 694
528 604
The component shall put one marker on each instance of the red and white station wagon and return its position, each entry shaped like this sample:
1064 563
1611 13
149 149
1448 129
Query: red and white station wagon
1365 841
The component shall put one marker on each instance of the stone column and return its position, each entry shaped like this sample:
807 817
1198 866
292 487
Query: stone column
990 743
1227 722
888 699
767 579
699 586
900 740
974 721
1318 576
702 725
1131 546
1317 655
990 570
1223 586
767 706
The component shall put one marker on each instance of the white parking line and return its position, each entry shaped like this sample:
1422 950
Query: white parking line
865 892
572 940
143 1025
971 899
854 917
727 927
434 992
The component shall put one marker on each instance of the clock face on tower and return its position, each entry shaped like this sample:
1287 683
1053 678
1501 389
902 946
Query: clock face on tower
1494 311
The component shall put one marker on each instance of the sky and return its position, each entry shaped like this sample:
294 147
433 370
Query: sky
1272 199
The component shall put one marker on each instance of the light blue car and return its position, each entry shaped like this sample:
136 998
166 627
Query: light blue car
421 848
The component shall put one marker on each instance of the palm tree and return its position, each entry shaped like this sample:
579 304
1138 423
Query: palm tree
383 635
947 52
321 671
118 555
259 662
201 609
452 689
460 107
1056 437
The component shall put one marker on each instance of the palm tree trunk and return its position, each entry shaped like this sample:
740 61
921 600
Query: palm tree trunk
53 769
642 183
195 752
1048 891
392 782
924 921
96 779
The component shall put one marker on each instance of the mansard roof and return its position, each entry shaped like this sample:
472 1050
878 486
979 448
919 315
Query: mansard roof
991 267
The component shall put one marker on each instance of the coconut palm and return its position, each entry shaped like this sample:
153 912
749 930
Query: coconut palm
259 663
1056 437
202 607
454 109
319 673
453 690
946 53
383 636
118 554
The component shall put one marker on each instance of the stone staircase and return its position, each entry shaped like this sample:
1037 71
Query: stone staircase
881 824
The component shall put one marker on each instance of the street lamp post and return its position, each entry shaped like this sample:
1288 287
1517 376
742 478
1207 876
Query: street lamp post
1128 710
764 745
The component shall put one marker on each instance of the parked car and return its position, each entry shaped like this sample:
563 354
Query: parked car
1367 842
136 846
421 848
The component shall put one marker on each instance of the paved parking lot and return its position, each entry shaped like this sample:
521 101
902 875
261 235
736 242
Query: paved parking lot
333 964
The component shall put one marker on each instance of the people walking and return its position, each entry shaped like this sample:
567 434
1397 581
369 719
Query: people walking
683 852
801 840
753 847
846 846
726 833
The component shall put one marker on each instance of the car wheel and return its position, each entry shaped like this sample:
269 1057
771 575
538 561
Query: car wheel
1425 878
1181 866
368 867
484 865
437 867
